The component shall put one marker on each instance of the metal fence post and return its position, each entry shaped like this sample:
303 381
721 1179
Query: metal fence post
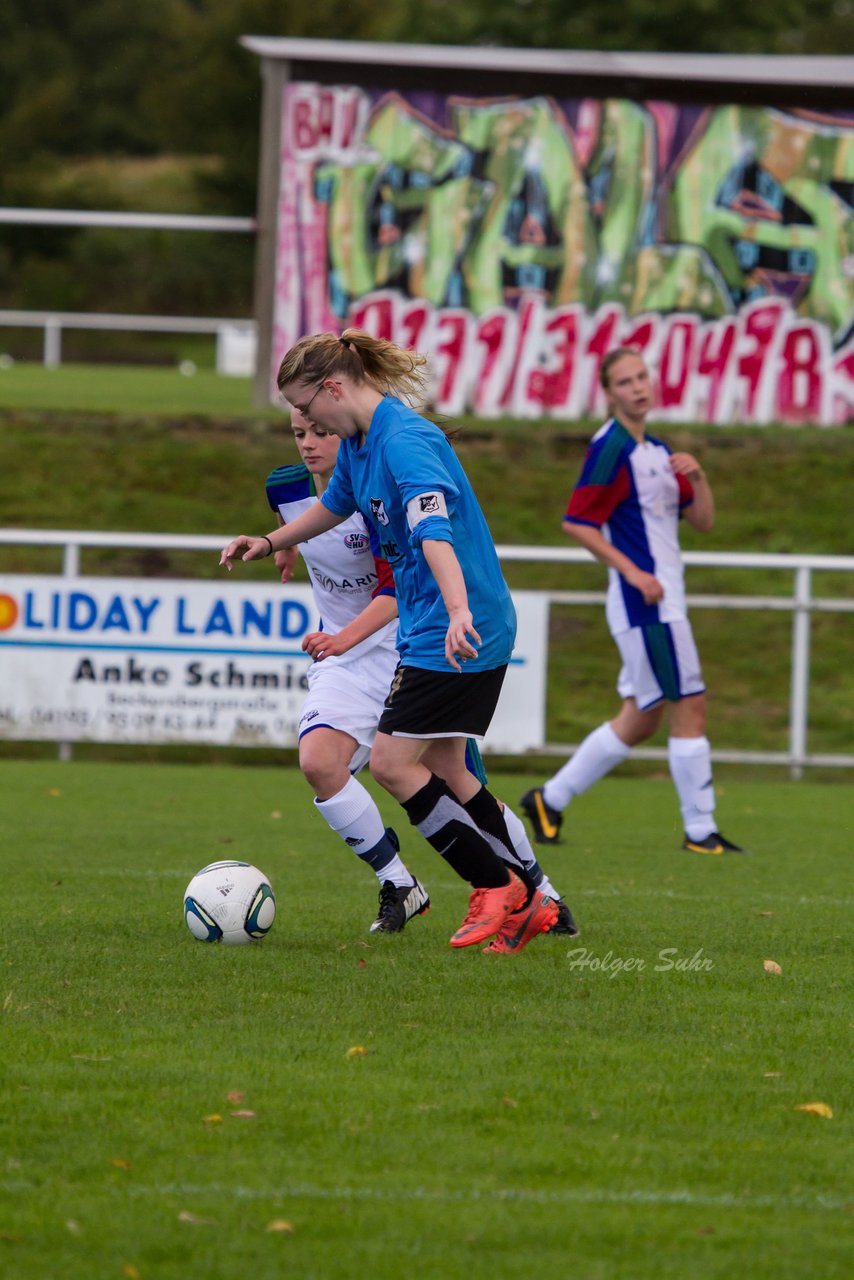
52 343
799 699
70 569
71 560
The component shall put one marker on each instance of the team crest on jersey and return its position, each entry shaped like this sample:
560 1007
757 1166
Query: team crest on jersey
356 542
378 511
429 502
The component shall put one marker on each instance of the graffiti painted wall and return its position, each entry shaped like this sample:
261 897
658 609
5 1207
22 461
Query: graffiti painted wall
518 239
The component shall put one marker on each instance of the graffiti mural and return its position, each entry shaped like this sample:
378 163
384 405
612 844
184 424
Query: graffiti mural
518 239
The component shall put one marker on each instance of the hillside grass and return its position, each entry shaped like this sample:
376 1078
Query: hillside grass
201 468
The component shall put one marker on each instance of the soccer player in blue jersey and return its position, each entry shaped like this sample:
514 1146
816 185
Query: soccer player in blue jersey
454 606
625 510
354 662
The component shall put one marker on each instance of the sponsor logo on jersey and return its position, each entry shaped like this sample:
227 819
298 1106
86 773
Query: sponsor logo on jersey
378 511
359 583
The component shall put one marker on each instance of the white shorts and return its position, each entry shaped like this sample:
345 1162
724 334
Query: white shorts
349 697
659 661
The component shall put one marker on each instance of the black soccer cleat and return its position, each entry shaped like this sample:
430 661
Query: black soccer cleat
545 821
713 843
565 923
397 905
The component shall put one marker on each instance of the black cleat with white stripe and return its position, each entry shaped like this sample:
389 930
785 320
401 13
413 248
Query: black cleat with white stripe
397 905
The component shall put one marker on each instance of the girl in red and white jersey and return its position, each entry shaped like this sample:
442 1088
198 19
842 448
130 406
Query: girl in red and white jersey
625 510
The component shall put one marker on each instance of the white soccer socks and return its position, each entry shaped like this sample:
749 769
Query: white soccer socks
690 762
599 753
353 814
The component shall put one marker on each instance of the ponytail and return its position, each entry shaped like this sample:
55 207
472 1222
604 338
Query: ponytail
391 369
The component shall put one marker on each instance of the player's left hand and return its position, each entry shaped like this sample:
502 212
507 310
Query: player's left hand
685 464
457 643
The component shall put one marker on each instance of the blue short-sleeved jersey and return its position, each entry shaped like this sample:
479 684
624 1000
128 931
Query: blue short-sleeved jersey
407 479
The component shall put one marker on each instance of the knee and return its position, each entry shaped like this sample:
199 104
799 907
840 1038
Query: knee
319 772
392 774
633 726
384 770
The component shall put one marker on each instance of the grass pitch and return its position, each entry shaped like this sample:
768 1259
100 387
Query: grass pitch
100 389
620 1105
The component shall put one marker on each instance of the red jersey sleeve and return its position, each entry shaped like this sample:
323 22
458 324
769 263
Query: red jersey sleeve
594 503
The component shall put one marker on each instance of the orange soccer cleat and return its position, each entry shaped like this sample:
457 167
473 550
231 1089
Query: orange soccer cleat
488 909
538 916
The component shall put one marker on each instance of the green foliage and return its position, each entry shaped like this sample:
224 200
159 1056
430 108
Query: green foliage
115 83
622 1124
675 26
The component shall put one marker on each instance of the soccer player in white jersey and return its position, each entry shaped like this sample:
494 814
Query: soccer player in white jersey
355 660
353 589
625 510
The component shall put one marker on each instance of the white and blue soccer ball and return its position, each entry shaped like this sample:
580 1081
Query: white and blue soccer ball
229 902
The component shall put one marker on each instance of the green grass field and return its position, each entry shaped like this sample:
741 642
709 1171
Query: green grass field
621 1106
105 389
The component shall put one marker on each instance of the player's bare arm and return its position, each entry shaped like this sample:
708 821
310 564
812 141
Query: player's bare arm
318 519
445 568
376 615
646 583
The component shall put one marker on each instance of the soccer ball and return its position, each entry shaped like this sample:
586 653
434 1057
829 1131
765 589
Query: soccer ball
229 902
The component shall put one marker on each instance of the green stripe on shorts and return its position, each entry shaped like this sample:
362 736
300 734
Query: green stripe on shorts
656 638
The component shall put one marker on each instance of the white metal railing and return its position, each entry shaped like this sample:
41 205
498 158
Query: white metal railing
53 322
801 603
120 218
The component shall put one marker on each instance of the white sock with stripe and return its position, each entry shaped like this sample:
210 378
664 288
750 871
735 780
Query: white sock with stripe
525 854
353 815
597 755
690 762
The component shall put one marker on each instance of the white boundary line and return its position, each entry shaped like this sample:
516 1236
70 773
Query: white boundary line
472 1195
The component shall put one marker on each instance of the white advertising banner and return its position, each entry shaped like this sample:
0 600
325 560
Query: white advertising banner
136 660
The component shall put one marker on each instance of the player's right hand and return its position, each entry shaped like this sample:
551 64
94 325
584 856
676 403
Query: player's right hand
244 548
285 562
457 643
648 585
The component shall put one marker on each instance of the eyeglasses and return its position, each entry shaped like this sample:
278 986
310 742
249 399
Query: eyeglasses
304 408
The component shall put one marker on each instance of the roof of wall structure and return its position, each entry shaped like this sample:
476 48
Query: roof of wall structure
817 79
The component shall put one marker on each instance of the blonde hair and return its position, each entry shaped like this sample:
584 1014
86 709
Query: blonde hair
609 360
388 367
